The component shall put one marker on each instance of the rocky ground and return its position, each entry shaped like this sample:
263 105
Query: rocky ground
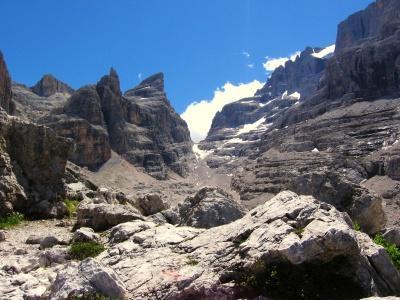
25 272
148 260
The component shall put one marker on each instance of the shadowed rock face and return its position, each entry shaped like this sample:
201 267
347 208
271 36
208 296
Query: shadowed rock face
5 88
49 85
367 23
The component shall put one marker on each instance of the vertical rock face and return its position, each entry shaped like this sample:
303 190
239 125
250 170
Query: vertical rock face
49 85
156 136
367 23
32 160
81 119
5 88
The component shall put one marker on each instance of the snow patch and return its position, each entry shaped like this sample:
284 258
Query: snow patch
325 53
315 150
200 153
250 127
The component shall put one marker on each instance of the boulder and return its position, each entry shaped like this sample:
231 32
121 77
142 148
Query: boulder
87 279
209 207
151 204
53 256
392 235
50 241
102 216
123 231
85 234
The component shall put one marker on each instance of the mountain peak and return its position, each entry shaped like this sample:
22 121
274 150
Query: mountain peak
48 85
155 81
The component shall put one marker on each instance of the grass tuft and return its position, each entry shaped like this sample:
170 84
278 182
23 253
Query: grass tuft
11 220
391 249
71 207
82 250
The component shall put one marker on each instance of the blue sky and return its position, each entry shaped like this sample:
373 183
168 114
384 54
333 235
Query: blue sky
199 45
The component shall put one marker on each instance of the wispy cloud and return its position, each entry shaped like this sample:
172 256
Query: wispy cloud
140 76
199 114
251 66
246 54
273 63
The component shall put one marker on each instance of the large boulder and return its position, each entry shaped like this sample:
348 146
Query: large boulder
209 207
102 216
85 280
291 246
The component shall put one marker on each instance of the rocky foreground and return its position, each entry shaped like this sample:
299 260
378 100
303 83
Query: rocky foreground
290 246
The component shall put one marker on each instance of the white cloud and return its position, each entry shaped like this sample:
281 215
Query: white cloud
273 63
251 66
139 76
246 54
199 115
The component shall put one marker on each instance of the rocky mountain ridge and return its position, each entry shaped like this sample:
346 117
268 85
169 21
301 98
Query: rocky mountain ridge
100 119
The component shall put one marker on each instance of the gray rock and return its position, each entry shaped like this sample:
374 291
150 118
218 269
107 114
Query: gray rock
85 234
87 279
123 231
53 256
151 204
102 216
2 235
210 207
50 241
34 240
392 235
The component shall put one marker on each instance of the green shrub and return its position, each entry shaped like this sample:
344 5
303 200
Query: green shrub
192 262
391 249
11 220
357 226
82 250
71 207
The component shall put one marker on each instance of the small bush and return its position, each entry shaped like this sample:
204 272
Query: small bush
299 231
11 220
192 262
391 249
71 207
82 250
357 226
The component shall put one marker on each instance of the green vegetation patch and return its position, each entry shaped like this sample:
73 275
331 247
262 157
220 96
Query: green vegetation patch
71 207
82 250
11 220
391 249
